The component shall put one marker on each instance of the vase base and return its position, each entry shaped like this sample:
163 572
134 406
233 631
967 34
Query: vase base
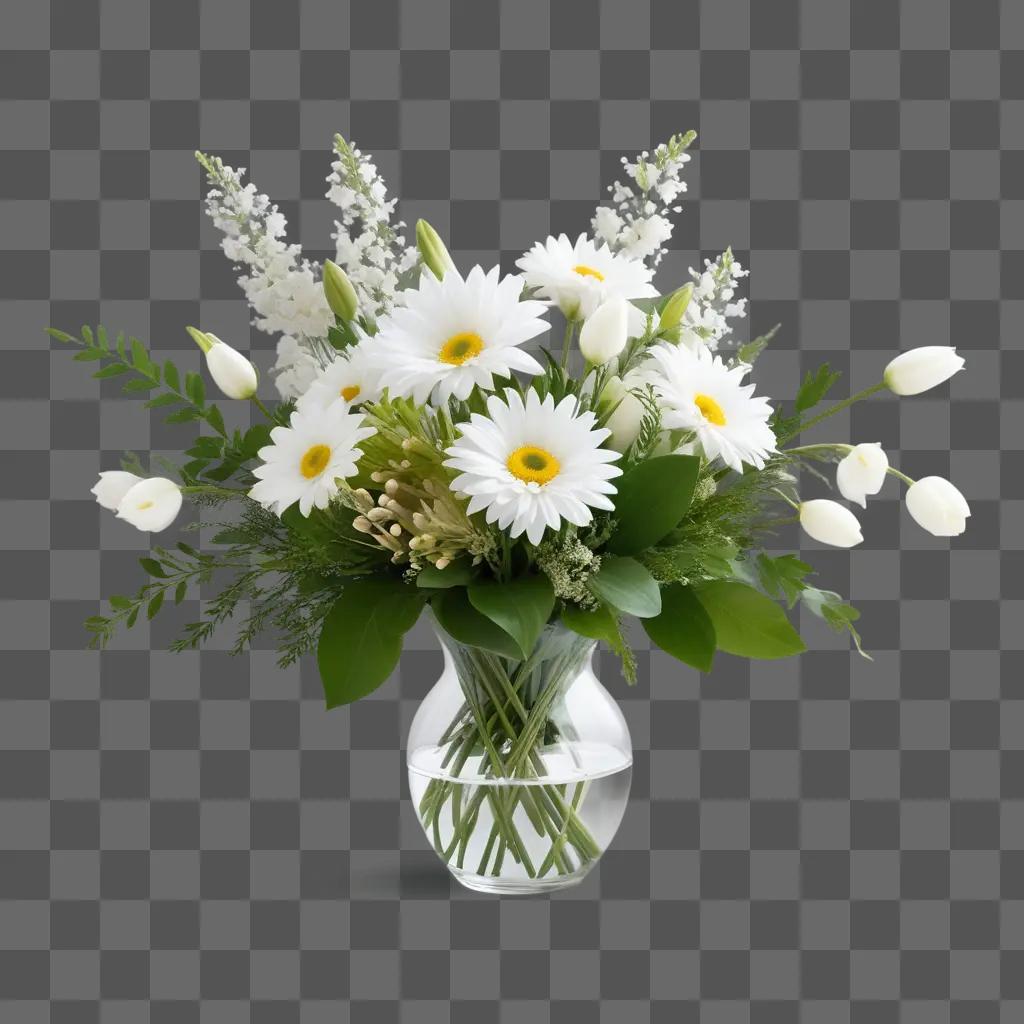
498 886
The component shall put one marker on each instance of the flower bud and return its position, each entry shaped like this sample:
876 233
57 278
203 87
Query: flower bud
862 472
433 251
604 334
921 369
831 523
627 416
151 505
338 290
231 371
938 507
112 486
673 310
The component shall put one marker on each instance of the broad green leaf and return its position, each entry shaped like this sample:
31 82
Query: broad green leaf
462 622
652 498
747 623
361 638
457 574
626 585
683 629
520 607
815 387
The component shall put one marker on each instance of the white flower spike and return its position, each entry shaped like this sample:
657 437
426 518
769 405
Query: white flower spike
231 371
938 507
112 486
151 505
831 523
862 472
604 335
921 369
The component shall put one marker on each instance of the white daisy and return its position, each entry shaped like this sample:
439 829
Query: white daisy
308 458
532 465
452 335
579 276
352 379
698 392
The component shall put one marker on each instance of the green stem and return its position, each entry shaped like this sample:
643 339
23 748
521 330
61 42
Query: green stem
570 328
838 407
262 408
222 492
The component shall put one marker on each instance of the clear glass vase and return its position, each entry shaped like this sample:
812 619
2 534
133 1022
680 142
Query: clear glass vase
520 770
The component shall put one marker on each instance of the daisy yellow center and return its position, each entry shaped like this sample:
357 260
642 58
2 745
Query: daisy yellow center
460 348
710 409
585 271
314 462
533 465
351 392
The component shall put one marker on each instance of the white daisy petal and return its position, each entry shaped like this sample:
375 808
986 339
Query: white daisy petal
699 393
309 457
532 464
457 334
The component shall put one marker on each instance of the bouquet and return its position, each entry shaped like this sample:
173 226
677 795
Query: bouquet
424 458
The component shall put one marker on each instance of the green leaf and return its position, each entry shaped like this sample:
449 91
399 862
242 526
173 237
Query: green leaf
155 604
87 355
747 623
215 419
161 400
180 591
113 370
457 574
171 377
183 416
120 603
683 629
139 385
59 335
153 567
520 607
749 352
783 576
140 357
626 585
601 623
652 498
836 612
462 622
195 389
361 638
815 387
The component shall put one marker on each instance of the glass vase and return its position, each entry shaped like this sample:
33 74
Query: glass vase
519 770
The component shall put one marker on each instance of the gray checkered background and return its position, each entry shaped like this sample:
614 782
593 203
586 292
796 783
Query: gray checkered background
191 838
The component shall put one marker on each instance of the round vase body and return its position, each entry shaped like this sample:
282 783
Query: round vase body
519 770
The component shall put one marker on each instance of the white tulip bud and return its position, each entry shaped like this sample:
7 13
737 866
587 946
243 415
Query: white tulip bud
604 334
862 472
112 486
625 420
830 523
921 369
151 505
231 371
938 507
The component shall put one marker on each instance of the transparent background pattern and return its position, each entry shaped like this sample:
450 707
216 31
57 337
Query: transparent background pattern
191 838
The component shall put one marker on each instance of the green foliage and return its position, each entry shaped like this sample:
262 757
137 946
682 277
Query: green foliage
783 576
601 623
461 621
458 574
649 436
627 586
521 607
836 612
746 622
129 356
683 629
749 352
652 499
815 387
361 639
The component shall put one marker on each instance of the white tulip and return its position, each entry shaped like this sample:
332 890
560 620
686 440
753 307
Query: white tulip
604 334
112 486
151 505
938 507
830 522
862 472
921 369
231 371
